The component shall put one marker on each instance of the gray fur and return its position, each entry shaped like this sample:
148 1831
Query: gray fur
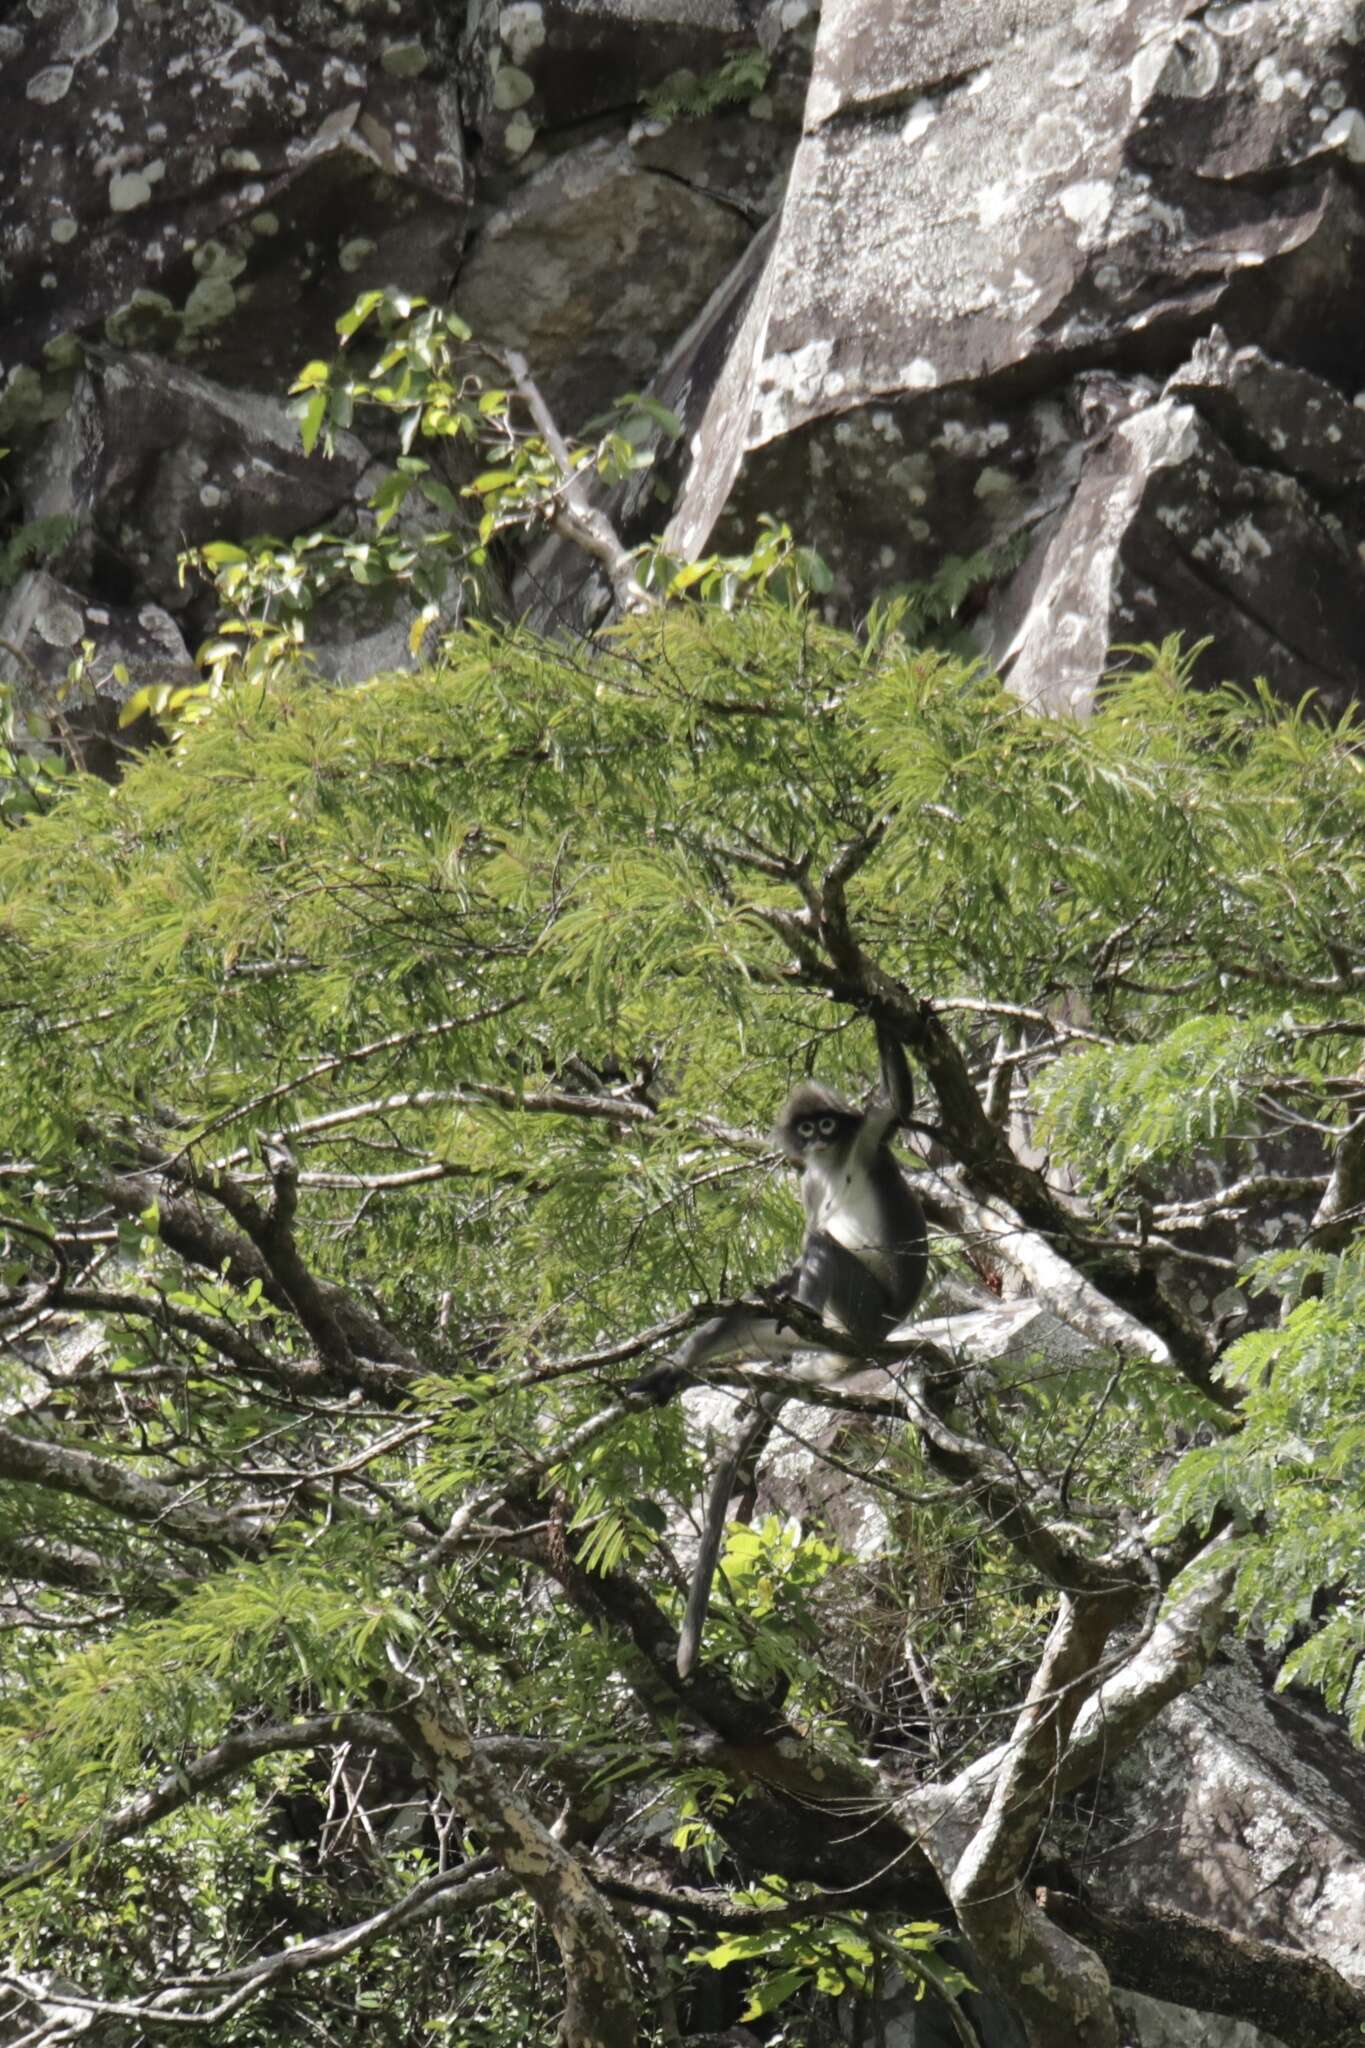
863 1264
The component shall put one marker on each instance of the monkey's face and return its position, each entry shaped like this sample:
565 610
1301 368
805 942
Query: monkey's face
817 1137
816 1126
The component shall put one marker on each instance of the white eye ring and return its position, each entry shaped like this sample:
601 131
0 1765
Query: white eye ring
806 1128
827 1127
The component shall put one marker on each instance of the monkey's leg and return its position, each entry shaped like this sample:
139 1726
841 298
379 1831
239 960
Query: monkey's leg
738 1333
755 1427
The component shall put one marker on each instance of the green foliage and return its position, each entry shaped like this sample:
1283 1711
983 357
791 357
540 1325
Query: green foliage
1150 863
32 544
274 1634
685 96
847 1955
31 768
433 520
1295 1476
925 612
1121 1113
774 567
515 953
765 1621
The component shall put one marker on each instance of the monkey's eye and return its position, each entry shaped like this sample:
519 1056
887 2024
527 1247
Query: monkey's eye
806 1128
827 1127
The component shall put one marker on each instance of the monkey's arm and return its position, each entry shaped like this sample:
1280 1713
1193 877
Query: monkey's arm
897 1082
894 1103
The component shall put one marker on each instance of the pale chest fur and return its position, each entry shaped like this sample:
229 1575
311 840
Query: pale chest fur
845 1206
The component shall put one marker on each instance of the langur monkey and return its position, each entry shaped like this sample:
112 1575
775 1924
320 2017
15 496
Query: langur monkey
862 1268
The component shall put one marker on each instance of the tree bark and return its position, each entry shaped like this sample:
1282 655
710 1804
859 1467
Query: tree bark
600 2005
1058 1987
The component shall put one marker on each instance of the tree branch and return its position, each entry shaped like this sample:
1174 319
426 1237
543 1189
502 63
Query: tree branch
1056 1282
472 1885
1338 1214
1167 1661
393 1041
272 1234
575 517
52 1561
203 1773
149 1502
205 1240
1058 1986
600 2004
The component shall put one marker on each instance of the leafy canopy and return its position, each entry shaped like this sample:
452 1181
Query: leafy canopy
511 953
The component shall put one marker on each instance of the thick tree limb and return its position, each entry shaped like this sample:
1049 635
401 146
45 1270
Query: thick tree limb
271 1231
1056 1985
52 1561
204 1239
981 1827
1053 1279
600 2004
152 1503
1170 1662
1339 1213
1165 1663
216 1332
805 1813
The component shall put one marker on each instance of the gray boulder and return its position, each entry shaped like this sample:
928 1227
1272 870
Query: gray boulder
1003 230
1244 1807
80 661
1191 516
205 180
151 458
593 266
538 66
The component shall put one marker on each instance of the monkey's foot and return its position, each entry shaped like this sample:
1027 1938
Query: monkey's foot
660 1384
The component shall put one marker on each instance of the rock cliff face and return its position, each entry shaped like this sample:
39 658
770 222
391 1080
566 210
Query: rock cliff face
1072 288
1069 285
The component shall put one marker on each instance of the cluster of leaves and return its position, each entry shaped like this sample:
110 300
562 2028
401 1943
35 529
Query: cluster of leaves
848 1956
1295 1475
33 543
1130 1113
478 459
929 611
504 949
30 765
686 96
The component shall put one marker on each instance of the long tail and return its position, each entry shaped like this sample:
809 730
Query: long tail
753 1432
